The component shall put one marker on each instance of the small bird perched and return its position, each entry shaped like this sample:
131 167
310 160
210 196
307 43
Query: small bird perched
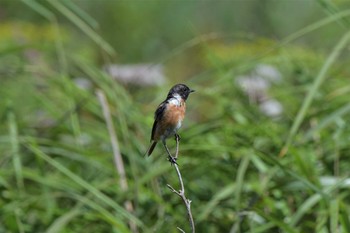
169 116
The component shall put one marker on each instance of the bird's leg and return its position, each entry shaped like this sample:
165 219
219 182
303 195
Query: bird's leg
172 160
177 139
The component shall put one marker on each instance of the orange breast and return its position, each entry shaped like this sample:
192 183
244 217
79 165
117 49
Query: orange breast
173 114
171 120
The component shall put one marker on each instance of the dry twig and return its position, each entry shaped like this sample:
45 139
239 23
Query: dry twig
181 192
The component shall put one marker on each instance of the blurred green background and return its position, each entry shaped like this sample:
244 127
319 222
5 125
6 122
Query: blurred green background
264 146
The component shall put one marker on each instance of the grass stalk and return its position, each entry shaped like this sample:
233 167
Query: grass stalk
16 158
118 160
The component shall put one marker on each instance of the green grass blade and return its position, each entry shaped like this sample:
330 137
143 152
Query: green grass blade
283 226
344 217
239 186
240 178
14 141
262 228
334 214
82 14
304 208
220 195
40 9
59 224
332 9
83 26
98 194
314 88
315 26
306 182
18 220
316 198
328 120
107 216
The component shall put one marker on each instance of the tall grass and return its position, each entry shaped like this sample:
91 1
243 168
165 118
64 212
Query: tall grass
57 172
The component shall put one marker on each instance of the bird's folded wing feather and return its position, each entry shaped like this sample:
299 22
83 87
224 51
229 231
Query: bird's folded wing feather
158 115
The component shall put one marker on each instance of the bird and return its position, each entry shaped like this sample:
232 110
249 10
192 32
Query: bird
168 118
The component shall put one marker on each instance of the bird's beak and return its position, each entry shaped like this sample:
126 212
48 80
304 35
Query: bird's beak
192 91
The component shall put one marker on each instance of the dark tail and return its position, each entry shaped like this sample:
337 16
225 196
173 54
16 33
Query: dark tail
151 148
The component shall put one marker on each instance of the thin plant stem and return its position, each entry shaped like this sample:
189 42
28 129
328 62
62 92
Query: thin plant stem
118 160
181 192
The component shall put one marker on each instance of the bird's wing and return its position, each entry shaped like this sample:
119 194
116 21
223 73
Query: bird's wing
158 115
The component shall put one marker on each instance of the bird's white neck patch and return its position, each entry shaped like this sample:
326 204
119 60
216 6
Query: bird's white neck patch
176 100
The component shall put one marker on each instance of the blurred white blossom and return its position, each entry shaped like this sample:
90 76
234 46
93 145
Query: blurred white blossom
271 108
140 74
83 83
254 86
268 72
257 84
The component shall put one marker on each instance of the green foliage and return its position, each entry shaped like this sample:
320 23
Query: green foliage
57 172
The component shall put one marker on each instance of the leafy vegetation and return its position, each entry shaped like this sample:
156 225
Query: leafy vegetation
244 171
